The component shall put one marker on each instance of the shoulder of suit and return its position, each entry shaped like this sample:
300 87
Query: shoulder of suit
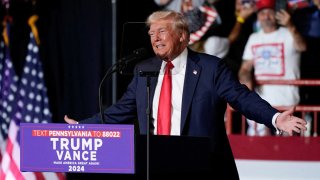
201 58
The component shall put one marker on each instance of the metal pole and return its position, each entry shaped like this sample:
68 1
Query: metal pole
114 49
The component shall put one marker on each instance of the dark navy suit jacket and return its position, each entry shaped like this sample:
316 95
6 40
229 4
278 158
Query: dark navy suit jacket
208 86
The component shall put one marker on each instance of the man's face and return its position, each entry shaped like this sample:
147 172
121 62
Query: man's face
166 42
267 18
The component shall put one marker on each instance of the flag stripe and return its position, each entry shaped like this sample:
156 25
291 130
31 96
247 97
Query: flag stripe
11 151
39 176
21 100
211 17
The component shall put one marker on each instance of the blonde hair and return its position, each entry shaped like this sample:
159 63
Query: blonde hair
178 20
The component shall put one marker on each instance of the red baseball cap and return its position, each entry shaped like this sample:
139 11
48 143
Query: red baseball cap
262 4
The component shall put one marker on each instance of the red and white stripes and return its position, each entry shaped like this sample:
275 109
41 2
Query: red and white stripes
10 161
11 157
211 15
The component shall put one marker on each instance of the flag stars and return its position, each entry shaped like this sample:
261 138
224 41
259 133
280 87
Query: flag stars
33 72
9 109
31 95
30 46
13 88
46 111
7 120
5 104
37 109
28 58
35 49
28 118
24 81
20 103
23 99
7 73
40 75
29 107
26 70
39 86
11 97
33 84
4 115
38 98
36 120
4 128
18 115
22 92
9 64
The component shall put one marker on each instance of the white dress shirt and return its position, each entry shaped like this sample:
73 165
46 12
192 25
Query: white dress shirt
178 74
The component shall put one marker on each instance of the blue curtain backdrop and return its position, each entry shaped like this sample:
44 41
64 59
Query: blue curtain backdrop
75 48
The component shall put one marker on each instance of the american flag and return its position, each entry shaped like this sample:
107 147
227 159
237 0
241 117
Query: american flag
29 103
211 16
298 4
8 88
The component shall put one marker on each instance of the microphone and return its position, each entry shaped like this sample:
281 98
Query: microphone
136 55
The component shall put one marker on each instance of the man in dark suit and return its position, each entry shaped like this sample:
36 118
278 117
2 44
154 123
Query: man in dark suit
201 87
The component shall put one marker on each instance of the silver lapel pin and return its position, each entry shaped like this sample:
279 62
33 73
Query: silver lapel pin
195 72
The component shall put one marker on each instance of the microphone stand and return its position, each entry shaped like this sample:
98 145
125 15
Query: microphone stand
148 75
115 67
148 127
137 54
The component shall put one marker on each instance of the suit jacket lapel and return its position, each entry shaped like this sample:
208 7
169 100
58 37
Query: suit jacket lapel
153 83
190 83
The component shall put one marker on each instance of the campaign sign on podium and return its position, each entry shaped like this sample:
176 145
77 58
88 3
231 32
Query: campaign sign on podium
91 148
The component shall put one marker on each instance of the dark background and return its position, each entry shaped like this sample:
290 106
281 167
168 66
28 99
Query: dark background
75 49
76 46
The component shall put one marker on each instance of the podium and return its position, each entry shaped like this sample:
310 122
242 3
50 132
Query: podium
170 156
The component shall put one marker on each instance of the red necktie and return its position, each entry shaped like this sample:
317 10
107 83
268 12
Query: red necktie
164 109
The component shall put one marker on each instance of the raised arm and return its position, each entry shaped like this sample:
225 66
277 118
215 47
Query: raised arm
243 13
284 19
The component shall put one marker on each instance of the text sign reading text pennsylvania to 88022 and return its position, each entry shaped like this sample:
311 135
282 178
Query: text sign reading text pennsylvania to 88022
92 148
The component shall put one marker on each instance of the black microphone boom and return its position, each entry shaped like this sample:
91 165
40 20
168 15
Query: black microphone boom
136 55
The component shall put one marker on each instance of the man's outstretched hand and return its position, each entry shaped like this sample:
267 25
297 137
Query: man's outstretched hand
70 121
288 123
